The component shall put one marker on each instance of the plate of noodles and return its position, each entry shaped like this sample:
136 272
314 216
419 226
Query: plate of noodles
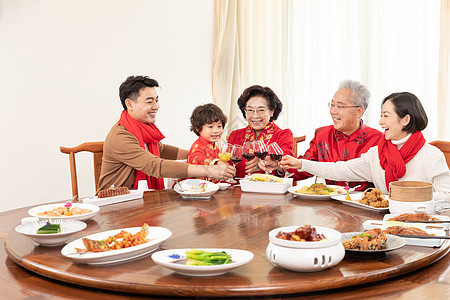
317 191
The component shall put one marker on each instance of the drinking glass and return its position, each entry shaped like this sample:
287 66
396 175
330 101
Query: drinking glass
275 151
225 152
261 149
248 151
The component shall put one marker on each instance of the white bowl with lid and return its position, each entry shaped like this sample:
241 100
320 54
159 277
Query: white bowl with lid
306 256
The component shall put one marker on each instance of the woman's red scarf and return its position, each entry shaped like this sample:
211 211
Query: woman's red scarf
393 161
146 134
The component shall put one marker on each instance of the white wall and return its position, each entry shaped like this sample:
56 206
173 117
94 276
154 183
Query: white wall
61 63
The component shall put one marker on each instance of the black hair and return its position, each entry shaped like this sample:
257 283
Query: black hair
272 99
131 87
206 114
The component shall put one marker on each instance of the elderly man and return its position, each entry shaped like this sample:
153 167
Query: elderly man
133 151
347 138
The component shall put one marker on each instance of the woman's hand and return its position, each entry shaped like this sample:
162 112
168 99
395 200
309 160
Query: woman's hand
289 162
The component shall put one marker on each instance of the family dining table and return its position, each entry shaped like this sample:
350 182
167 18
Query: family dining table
231 219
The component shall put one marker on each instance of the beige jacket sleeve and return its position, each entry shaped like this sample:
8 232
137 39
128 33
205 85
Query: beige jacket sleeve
122 155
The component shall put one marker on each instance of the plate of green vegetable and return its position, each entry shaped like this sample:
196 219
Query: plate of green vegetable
202 262
50 232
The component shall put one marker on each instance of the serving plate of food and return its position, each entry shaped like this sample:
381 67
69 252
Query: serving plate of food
410 229
430 220
372 200
371 242
50 234
202 261
196 189
114 246
66 211
114 195
265 183
316 191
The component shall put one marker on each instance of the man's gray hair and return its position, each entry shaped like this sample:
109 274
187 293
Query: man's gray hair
360 94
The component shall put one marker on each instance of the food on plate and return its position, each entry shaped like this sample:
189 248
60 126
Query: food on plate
67 211
115 242
205 258
265 178
405 230
373 239
407 217
113 191
374 197
319 189
49 228
305 233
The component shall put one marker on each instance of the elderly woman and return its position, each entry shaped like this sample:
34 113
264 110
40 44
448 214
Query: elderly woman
401 153
260 106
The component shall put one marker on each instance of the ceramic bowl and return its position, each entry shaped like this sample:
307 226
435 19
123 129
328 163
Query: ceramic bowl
306 256
68 227
223 185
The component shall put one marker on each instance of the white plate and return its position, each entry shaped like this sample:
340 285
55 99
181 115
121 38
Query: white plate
68 227
40 209
266 187
370 224
169 258
134 194
392 243
156 236
355 202
440 217
191 189
293 190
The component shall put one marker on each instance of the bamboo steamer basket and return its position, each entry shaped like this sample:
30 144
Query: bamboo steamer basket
411 191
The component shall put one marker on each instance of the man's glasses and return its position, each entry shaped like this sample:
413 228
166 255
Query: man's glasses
339 107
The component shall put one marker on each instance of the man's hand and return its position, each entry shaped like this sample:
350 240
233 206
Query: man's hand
221 171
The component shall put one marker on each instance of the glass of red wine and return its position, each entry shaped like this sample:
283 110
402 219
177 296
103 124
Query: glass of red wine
275 151
261 150
236 157
248 151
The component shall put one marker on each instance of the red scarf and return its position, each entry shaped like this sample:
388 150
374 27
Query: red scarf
393 161
147 134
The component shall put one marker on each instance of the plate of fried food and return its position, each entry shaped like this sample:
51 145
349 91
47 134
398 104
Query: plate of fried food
371 199
371 242
66 211
202 262
114 246
317 191
113 195
430 220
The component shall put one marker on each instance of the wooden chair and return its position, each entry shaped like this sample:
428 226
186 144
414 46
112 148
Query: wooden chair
297 140
97 150
444 147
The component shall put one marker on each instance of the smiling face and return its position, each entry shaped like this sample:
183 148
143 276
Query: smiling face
145 107
212 132
391 123
258 113
346 119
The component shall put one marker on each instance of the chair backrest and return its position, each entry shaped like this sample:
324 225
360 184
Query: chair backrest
297 140
97 150
444 147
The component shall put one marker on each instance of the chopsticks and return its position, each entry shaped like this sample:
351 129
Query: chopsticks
445 237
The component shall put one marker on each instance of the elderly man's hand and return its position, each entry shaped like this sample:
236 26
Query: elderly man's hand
221 171
289 162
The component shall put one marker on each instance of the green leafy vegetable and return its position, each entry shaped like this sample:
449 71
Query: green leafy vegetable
205 258
363 234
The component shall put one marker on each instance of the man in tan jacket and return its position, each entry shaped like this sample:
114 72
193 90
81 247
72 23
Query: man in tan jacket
132 150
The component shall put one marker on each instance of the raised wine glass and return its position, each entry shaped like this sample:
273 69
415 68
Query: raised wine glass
225 152
248 151
236 157
261 150
276 153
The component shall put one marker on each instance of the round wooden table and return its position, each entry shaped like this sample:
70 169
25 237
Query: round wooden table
231 219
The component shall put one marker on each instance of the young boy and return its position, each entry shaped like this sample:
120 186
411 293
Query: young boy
207 121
